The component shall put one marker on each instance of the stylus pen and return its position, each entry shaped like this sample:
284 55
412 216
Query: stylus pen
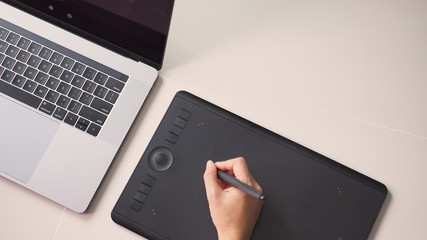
240 185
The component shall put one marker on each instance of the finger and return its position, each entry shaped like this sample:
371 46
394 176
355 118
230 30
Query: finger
211 181
229 165
238 168
241 172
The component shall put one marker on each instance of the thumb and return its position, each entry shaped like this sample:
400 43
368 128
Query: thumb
211 181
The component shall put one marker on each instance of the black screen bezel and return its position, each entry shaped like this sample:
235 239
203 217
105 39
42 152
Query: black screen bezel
131 39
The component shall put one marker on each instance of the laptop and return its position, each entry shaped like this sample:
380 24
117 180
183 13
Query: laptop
308 196
66 104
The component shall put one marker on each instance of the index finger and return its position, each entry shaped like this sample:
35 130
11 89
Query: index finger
237 166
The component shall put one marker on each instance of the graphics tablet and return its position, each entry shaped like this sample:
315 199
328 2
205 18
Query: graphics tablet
308 196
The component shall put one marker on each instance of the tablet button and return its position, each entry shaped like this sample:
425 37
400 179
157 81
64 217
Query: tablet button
135 205
172 138
184 114
144 188
148 180
160 159
178 126
140 197
176 130
179 122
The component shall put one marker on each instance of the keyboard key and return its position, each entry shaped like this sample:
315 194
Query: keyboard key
78 68
19 94
45 53
3 46
71 118
23 56
101 105
114 84
34 61
67 76
86 98
3 33
56 58
78 81
52 96
34 48
12 51
45 66
74 107
75 93
30 86
111 97
41 78
63 88
63 101
100 92
18 81
19 68
100 78
55 71
30 73
67 63
59 113
93 129
41 91
8 63
89 73
2 56
89 86
52 83
23 43
47 107
7 75
82 124
12 38
93 115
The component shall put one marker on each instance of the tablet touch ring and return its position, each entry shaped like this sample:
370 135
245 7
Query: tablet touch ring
160 159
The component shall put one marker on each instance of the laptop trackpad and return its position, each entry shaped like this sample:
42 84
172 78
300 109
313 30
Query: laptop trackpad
24 137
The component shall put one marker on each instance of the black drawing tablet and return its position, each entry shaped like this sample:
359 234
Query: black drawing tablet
309 196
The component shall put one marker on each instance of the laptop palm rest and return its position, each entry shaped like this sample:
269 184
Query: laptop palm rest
25 136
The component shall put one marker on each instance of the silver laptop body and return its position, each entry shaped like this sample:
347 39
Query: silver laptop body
65 159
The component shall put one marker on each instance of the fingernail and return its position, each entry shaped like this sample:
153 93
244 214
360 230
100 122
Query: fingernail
209 164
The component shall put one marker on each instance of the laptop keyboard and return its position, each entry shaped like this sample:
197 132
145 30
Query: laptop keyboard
55 80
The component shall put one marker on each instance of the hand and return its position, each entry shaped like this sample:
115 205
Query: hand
234 212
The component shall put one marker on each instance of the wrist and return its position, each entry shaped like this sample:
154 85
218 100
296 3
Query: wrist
232 235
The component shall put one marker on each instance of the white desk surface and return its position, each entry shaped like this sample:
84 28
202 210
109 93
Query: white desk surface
347 79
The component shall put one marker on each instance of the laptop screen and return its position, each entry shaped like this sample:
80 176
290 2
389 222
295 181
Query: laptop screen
136 28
